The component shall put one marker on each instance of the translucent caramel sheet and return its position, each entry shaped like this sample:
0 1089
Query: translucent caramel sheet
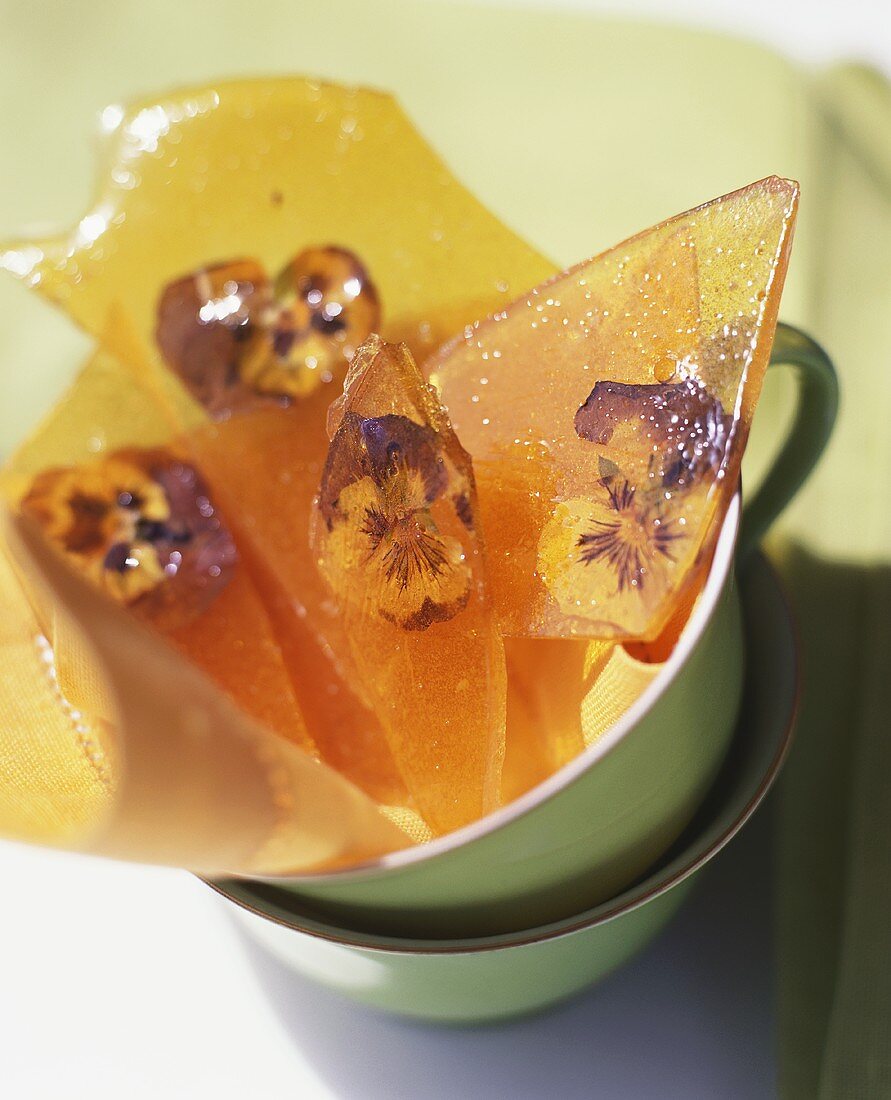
260 172
112 743
190 782
607 411
397 540
546 683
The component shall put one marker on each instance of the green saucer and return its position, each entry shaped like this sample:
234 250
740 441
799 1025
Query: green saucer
496 977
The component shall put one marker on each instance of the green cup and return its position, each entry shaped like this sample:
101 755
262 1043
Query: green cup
474 980
582 836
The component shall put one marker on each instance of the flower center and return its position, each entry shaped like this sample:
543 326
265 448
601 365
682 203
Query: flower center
410 546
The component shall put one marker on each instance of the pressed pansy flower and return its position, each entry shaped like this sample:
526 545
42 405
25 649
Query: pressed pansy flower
142 526
235 338
383 478
631 538
608 556
396 537
635 375
324 306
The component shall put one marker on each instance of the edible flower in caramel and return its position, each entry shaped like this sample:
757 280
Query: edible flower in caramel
235 338
685 426
633 379
140 525
382 481
305 206
618 535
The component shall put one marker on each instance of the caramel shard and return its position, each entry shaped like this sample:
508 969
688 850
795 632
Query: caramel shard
237 339
633 379
232 221
145 527
396 536
266 173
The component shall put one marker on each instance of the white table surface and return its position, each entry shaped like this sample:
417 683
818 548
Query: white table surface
121 981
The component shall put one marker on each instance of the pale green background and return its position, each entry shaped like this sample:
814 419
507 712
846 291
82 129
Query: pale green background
558 125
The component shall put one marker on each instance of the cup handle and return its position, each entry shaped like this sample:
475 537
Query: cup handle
817 406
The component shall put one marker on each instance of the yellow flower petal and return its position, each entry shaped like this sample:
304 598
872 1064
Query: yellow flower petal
407 572
607 566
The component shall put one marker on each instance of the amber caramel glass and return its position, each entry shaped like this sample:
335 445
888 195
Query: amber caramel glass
607 411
